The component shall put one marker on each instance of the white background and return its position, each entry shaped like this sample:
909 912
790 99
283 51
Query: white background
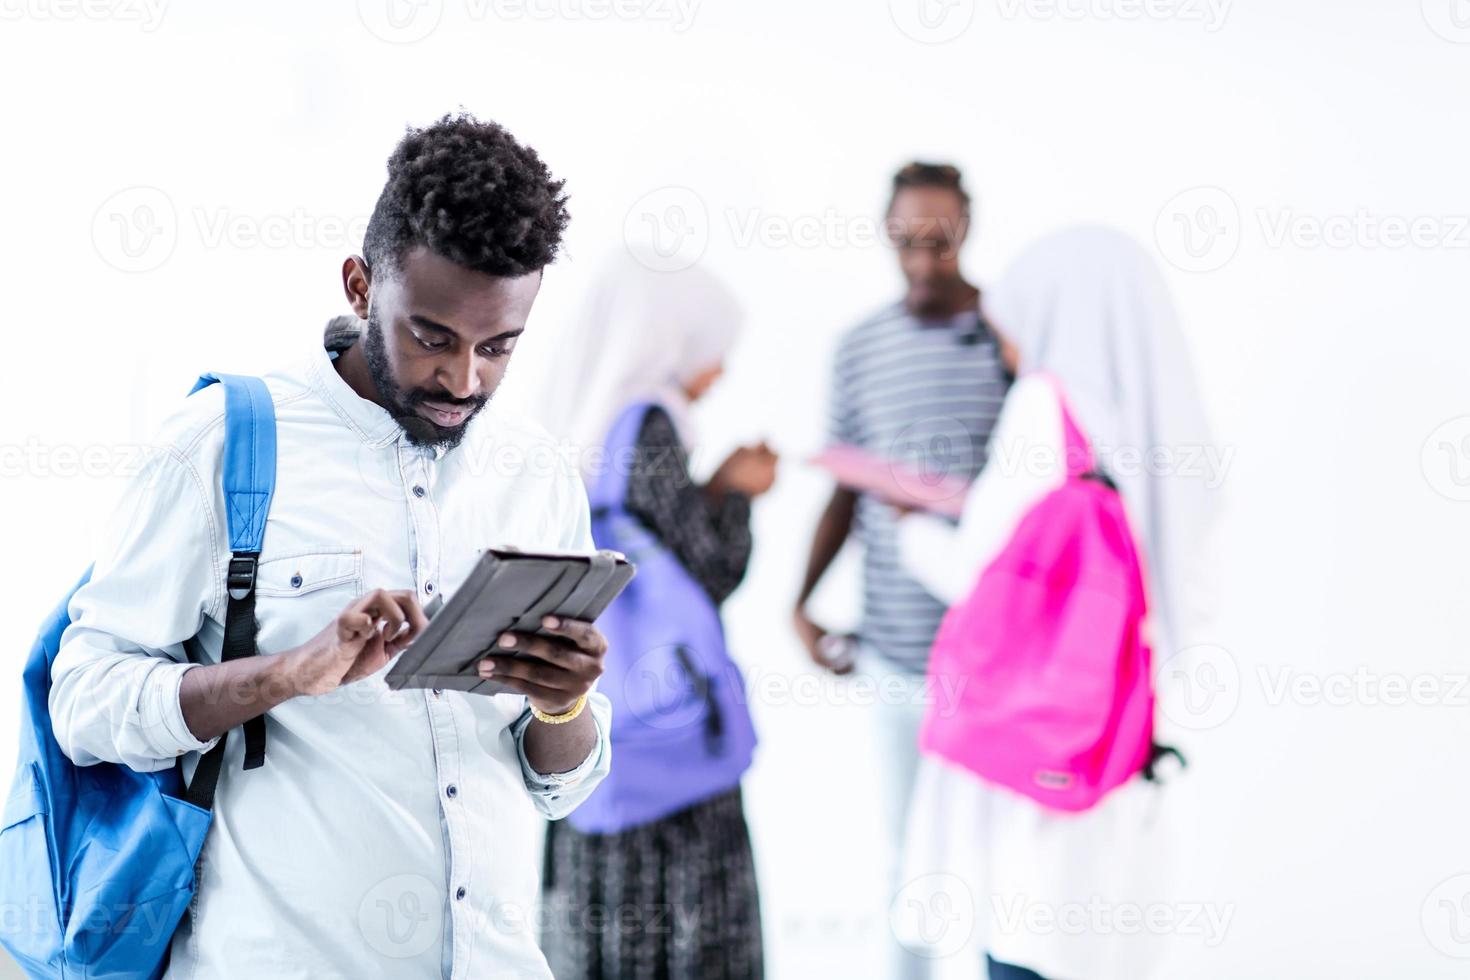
1331 828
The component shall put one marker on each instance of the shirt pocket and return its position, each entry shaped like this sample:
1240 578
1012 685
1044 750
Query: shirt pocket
299 592
304 572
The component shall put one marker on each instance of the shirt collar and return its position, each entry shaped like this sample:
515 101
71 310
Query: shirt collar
368 419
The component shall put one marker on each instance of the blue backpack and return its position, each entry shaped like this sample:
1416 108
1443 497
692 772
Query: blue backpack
97 862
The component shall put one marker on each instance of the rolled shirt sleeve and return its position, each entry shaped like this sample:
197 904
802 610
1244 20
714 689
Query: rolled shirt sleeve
558 794
115 680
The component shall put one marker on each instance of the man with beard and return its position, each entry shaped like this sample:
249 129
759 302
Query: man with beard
387 832
921 382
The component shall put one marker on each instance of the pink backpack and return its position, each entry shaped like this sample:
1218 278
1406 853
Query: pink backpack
1046 656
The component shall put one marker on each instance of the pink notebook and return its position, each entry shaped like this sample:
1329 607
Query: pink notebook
894 481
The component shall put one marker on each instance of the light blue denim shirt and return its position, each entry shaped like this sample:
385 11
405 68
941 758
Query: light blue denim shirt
389 833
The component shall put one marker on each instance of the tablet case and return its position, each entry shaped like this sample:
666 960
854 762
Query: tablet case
506 591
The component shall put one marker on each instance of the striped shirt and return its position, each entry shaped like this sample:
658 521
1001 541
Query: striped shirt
925 393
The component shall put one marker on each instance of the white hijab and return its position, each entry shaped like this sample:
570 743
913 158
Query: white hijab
643 335
1088 306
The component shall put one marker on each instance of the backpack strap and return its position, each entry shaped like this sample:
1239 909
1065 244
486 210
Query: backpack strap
1080 461
609 490
249 482
1156 753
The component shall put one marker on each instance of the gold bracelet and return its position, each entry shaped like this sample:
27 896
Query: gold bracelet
568 715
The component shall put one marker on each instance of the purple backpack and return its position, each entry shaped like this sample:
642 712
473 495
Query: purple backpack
681 729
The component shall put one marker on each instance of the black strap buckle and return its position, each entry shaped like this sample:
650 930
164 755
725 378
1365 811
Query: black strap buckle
241 577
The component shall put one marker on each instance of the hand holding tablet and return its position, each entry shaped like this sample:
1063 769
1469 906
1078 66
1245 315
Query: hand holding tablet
512 592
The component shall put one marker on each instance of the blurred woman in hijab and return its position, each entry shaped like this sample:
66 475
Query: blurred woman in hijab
653 876
1084 310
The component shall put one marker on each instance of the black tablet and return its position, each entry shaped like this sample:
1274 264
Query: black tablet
506 591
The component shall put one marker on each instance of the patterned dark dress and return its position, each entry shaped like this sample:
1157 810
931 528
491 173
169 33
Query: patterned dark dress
674 899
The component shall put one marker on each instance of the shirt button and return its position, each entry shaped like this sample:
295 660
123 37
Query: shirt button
460 894
438 691
296 581
451 791
419 491
429 587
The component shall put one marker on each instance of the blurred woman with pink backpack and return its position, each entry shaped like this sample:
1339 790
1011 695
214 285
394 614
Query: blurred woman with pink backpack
1036 813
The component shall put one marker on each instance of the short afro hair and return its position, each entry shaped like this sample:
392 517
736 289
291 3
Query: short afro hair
467 191
945 176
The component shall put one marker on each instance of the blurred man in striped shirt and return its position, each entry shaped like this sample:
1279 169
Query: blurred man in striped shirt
920 381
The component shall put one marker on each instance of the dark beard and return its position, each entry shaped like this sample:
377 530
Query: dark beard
419 430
